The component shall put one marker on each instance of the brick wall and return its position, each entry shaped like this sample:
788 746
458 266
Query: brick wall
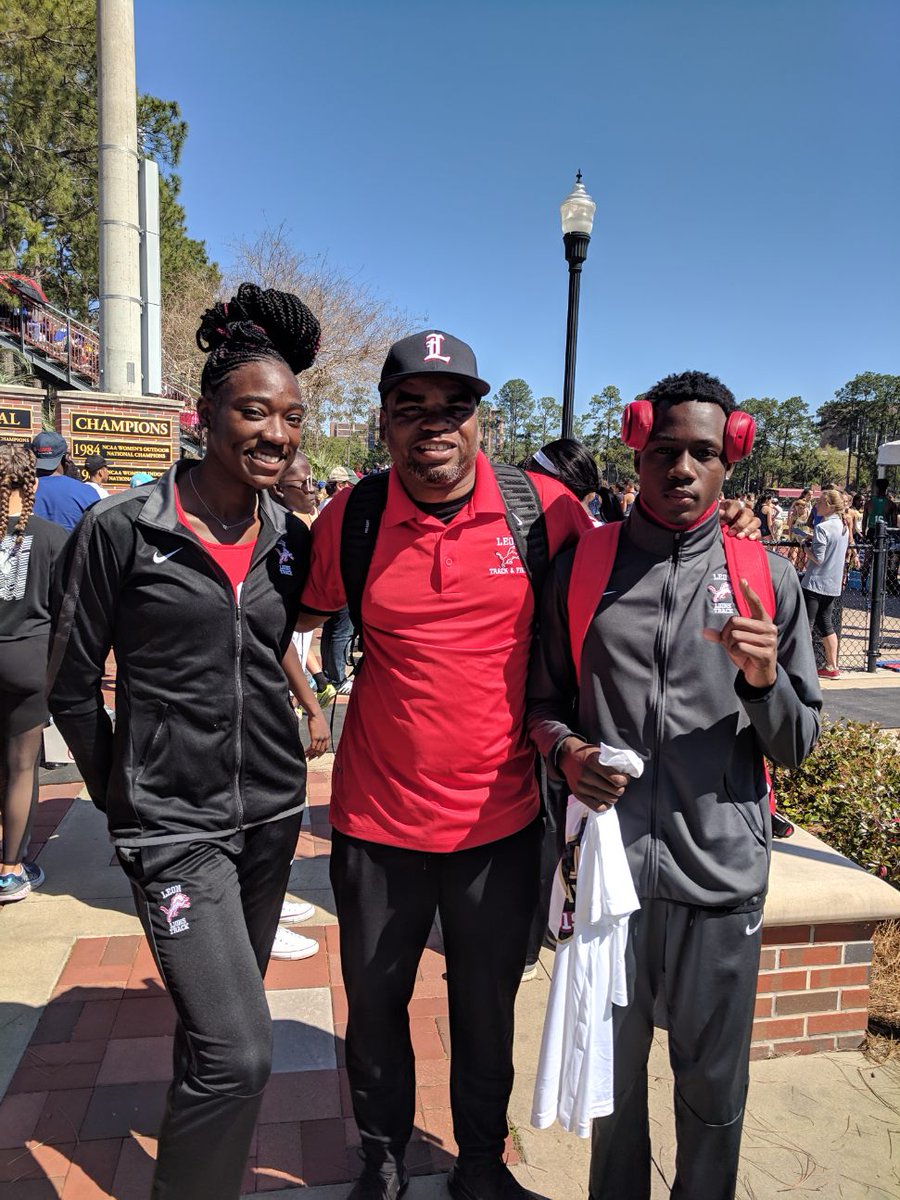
813 988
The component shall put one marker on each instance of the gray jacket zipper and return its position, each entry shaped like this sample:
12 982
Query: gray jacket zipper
662 662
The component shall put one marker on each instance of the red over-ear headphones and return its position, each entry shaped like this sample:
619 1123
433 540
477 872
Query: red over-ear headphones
637 421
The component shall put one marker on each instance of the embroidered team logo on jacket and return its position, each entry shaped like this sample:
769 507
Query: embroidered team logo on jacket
178 902
721 595
284 558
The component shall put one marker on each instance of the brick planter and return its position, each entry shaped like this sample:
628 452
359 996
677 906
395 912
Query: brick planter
821 912
813 989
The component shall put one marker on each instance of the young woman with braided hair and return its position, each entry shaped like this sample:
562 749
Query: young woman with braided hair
194 582
28 548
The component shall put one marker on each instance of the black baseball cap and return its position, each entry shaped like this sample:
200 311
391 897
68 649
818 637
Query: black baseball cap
94 463
49 450
431 353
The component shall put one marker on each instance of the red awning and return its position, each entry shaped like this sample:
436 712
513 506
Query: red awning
23 285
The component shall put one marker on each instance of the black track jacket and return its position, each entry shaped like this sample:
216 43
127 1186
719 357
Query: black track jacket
205 739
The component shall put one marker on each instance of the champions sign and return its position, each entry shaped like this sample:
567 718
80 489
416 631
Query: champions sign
99 423
16 426
140 440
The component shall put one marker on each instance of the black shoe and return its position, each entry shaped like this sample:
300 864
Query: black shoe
380 1181
489 1181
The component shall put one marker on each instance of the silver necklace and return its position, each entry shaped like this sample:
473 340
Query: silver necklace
215 517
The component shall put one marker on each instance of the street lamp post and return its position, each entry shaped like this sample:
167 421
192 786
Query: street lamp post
577 216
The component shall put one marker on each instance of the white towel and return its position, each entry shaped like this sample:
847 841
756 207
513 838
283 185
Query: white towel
575 1070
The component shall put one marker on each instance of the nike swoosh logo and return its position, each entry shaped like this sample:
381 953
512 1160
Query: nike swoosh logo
161 558
748 930
609 593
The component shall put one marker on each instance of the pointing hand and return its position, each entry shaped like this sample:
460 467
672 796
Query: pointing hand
750 642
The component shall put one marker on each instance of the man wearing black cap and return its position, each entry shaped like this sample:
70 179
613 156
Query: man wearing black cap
433 814
59 497
97 471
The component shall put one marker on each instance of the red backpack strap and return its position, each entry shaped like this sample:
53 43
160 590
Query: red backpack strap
595 554
749 560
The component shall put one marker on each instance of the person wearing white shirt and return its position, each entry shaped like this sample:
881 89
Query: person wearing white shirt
97 471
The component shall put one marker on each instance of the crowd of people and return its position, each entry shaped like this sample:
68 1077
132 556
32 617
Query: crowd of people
207 584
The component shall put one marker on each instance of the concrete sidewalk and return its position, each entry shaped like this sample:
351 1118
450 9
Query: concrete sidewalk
85 1036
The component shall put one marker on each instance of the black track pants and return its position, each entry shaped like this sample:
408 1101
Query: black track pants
386 903
210 911
695 969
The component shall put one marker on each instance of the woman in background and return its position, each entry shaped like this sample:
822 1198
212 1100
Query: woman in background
823 580
573 465
28 547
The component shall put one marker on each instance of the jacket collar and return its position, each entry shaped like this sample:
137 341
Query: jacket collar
655 539
485 499
159 511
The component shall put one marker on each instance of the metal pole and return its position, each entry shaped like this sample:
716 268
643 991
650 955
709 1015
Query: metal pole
877 576
151 288
120 289
576 245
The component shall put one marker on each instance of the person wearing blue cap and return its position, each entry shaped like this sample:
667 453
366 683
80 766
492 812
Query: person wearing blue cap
59 498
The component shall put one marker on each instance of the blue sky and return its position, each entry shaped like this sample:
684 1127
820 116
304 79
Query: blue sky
744 157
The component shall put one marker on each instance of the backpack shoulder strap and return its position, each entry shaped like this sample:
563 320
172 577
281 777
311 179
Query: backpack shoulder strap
359 531
592 566
526 521
749 560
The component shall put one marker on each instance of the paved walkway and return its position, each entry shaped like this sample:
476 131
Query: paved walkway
860 696
85 1045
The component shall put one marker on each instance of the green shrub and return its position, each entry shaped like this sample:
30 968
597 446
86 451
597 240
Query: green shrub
848 793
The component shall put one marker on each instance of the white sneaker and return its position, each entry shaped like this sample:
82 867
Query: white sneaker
345 688
293 945
295 911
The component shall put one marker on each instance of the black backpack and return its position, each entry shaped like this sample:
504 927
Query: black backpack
365 507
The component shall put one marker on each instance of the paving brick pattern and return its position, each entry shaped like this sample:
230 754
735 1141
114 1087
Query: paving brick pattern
80 1117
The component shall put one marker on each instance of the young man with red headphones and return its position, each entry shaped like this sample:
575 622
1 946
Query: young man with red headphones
700 683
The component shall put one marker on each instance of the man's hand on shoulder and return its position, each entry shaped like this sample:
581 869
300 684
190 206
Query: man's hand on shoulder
750 642
596 786
739 520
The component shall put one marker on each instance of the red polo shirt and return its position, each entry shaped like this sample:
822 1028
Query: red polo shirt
433 755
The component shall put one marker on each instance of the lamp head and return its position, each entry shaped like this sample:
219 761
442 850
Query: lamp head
577 210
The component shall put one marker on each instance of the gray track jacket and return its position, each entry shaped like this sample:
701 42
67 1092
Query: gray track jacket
696 825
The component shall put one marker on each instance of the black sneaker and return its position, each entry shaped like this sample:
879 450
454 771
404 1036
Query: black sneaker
488 1181
380 1181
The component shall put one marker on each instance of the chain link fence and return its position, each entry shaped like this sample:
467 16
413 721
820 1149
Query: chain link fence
867 613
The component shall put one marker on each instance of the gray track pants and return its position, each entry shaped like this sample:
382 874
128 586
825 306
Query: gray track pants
694 970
